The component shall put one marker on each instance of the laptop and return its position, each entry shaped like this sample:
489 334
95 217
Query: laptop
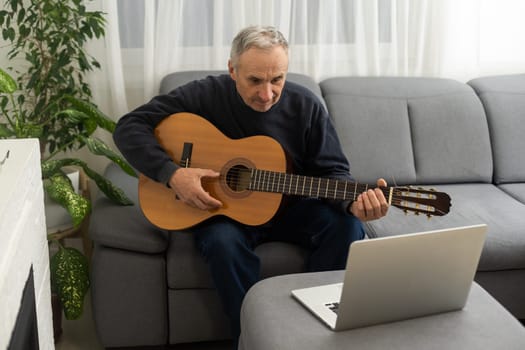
399 277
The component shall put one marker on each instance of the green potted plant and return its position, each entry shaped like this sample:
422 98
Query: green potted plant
50 100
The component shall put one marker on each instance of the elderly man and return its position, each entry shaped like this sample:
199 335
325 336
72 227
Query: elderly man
255 99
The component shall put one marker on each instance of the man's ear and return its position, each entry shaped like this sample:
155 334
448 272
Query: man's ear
231 70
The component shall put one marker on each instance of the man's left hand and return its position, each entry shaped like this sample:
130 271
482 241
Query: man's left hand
370 205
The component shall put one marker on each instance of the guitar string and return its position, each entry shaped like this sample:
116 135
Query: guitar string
280 187
265 184
269 185
396 201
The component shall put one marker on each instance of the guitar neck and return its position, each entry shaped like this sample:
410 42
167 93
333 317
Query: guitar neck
309 186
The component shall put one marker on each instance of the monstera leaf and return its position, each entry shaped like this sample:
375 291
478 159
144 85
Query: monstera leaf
70 280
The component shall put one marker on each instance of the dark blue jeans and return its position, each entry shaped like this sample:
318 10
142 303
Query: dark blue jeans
227 247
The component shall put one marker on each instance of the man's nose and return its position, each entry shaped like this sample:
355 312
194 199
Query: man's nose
266 93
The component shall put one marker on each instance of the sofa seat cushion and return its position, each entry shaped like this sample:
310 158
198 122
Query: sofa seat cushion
516 190
186 268
471 204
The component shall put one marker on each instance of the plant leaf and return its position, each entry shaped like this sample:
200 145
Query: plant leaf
76 116
59 188
50 167
93 112
5 131
7 83
98 147
70 279
111 191
54 166
28 130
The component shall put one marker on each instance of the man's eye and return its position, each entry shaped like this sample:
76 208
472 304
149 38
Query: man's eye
277 80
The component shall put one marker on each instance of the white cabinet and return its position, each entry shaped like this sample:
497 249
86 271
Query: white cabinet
23 241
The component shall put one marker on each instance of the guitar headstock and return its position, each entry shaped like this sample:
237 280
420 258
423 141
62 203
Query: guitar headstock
428 202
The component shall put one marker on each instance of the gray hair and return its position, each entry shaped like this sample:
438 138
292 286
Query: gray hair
256 36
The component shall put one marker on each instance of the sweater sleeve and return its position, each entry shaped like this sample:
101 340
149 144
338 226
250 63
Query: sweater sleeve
134 136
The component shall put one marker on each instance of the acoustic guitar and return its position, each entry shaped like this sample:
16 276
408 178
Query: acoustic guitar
252 178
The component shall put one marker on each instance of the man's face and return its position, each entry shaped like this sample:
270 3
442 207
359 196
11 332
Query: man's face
259 76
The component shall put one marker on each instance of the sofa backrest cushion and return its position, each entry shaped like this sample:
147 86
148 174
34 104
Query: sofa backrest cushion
504 100
176 79
410 130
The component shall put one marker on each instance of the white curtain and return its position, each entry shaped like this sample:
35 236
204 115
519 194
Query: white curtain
458 39
483 37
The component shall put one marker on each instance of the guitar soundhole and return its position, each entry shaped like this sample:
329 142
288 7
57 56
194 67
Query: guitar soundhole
238 178
235 177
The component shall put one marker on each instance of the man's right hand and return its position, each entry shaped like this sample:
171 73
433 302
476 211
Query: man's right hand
186 183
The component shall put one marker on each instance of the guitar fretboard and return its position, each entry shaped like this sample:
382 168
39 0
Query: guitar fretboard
307 186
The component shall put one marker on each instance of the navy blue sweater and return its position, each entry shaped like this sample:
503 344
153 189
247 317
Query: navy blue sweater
299 122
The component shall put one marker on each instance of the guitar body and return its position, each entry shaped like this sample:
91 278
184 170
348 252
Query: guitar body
212 150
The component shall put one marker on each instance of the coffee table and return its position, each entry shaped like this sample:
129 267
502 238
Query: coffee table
272 319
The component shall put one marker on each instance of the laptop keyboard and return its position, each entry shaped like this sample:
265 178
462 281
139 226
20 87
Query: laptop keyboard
333 306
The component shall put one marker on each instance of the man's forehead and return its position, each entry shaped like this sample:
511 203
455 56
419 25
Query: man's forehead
265 75
263 70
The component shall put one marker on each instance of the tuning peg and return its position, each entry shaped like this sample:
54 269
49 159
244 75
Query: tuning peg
433 190
429 216
417 213
406 211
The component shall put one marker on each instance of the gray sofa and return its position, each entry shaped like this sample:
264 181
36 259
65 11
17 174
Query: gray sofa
151 287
